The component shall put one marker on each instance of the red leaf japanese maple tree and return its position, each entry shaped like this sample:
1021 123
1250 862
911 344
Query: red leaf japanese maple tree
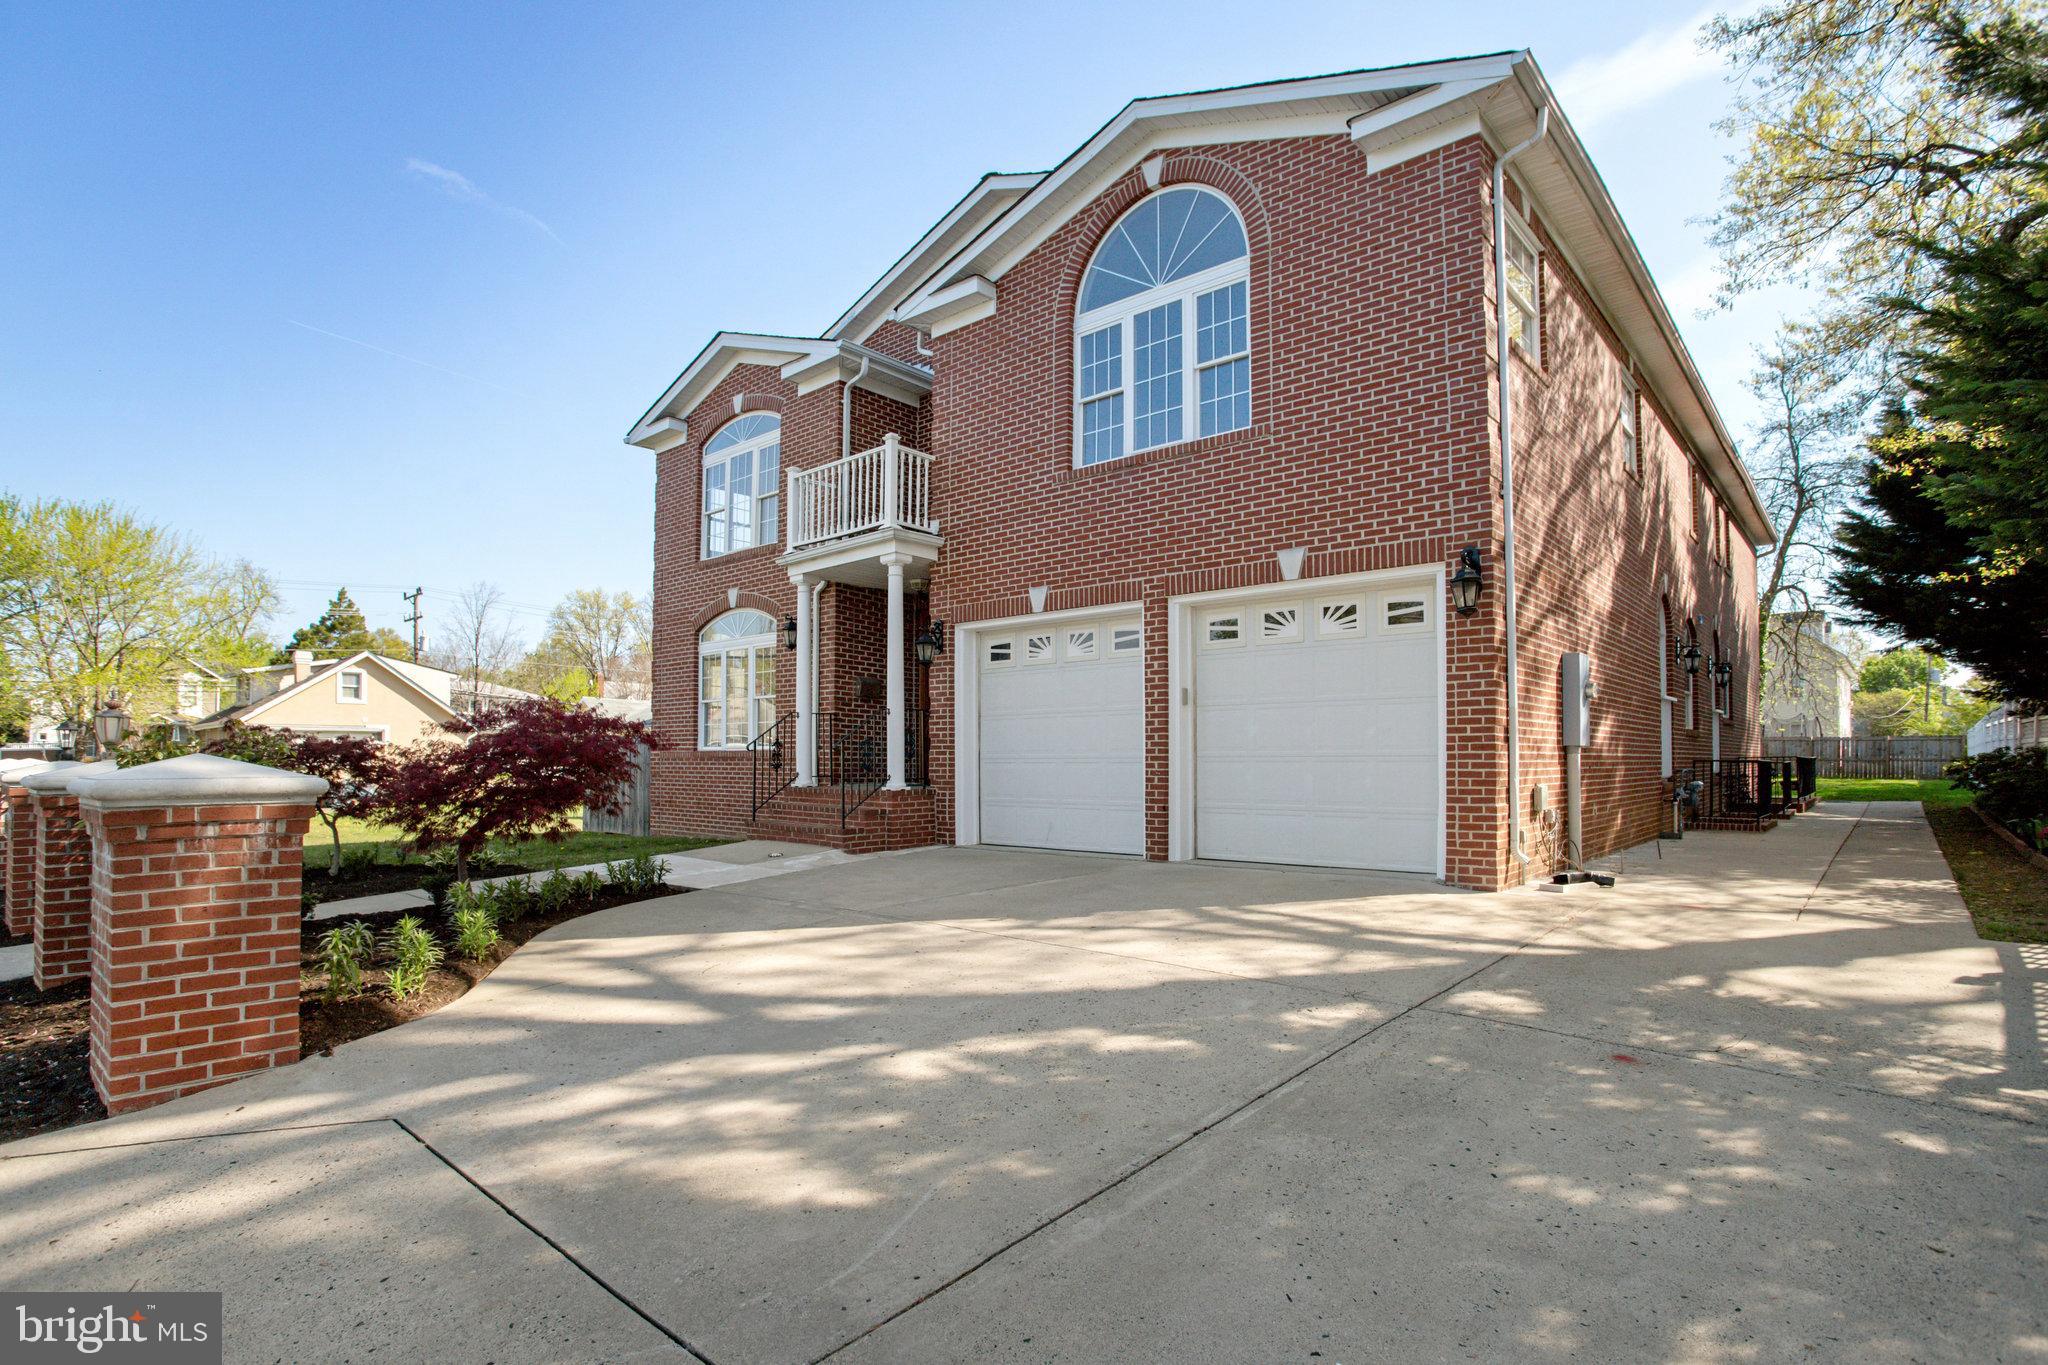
514 771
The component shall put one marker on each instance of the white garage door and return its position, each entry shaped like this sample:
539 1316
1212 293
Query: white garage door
1063 736
1316 729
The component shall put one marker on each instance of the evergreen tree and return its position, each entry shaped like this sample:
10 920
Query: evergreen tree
342 631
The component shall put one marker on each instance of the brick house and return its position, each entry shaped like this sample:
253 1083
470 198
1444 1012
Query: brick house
1131 511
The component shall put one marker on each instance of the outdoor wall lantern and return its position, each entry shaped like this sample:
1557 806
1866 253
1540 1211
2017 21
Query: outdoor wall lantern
930 642
66 732
789 632
1689 657
1466 581
110 722
1723 671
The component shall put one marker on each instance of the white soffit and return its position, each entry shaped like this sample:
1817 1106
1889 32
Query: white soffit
844 361
710 365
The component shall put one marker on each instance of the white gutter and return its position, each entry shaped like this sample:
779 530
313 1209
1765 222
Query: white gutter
1507 475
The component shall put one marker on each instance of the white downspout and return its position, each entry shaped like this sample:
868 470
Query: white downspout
846 407
1507 477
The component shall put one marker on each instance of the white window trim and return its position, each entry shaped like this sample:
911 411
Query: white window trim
765 533
1631 425
341 695
1185 291
744 646
1520 234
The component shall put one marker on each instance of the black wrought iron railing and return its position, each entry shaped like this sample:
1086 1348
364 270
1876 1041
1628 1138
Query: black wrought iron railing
1744 788
860 758
773 755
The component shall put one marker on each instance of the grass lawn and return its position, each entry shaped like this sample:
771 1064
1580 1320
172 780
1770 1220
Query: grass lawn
2007 895
1930 791
535 856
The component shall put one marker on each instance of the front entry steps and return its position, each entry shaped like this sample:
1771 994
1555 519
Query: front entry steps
885 821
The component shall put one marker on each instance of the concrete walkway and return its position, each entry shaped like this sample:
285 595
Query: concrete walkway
1771 1099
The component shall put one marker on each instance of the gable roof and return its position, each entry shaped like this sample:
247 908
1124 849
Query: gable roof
1392 114
246 710
808 362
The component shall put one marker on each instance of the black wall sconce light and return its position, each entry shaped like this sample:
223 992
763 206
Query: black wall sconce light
1466 582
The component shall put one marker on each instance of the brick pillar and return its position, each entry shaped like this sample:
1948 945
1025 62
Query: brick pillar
195 923
18 843
60 878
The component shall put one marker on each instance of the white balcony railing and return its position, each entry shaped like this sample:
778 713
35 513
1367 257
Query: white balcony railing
888 487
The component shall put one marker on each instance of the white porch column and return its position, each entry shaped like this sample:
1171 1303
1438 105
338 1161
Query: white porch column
897 767
806 708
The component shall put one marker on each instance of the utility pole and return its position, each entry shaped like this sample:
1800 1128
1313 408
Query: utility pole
413 598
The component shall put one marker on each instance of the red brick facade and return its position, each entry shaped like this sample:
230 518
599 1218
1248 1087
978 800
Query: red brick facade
1373 446
63 889
19 871
194 946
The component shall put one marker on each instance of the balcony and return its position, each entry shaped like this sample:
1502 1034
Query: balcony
886 490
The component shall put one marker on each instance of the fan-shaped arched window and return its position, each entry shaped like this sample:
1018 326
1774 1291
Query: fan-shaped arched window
742 481
1175 264
736 679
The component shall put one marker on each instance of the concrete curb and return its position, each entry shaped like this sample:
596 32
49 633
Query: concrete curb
2019 845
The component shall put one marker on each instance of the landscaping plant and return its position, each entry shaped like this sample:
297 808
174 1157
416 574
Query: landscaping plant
2011 786
554 893
414 955
514 772
344 950
640 874
476 932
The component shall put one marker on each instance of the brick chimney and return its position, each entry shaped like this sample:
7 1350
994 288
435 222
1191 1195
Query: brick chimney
302 665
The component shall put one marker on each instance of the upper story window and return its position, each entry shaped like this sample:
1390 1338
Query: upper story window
1631 451
735 679
742 483
1162 349
349 685
1525 288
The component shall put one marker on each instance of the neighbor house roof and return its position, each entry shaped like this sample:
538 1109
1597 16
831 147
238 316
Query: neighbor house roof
247 710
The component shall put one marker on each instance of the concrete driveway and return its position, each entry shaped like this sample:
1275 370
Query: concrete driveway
1770 1099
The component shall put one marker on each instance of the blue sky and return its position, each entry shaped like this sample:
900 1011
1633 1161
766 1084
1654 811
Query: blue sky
370 294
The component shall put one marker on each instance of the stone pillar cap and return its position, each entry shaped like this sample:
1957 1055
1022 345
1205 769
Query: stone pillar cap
55 780
12 770
194 780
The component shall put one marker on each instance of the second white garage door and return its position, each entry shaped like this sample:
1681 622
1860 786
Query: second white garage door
1317 732
1063 736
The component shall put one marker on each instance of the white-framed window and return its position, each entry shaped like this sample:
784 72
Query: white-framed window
350 687
1038 648
1162 329
1001 652
188 694
1081 643
1126 640
1222 629
742 483
1339 616
1280 623
1525 288
1631 452
1401 612
735 679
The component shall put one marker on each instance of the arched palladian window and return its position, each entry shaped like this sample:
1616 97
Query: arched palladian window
1162 331
742 481
736 679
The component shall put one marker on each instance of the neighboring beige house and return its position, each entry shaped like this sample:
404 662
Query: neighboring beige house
366 694
1810 672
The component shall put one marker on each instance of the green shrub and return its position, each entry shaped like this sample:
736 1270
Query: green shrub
589 886
476 932
638 875
344 951
414 955
554 893
358 861
2011 787
512 900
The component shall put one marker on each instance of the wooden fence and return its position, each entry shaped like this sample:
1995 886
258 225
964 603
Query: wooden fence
632 815
1871 755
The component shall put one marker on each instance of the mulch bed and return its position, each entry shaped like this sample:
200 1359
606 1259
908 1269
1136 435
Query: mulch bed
44 1083
2006 892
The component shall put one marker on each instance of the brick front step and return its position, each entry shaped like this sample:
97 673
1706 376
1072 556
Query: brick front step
887 820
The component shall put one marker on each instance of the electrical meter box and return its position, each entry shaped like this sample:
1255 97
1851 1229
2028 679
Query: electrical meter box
1577 693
